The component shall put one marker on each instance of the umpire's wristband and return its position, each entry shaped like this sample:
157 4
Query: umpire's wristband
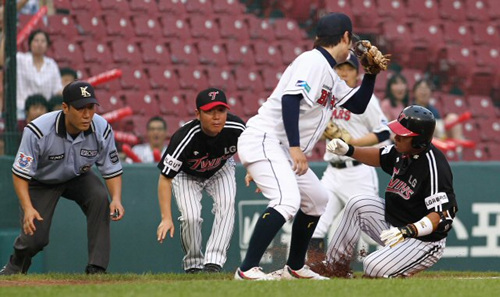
350 151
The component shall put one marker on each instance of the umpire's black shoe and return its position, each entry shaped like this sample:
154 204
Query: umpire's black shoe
212 268
193 270
94 269
16 266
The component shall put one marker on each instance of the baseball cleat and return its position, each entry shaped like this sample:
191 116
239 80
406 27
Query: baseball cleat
254 273
303 273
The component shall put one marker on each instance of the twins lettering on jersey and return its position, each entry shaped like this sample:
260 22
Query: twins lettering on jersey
400 188
203 164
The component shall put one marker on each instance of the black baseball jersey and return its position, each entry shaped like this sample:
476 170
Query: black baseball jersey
197 154
420 184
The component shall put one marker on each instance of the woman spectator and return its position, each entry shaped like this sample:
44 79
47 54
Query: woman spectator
396 96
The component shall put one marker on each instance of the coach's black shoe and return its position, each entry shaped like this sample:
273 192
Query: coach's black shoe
212 268
94 269
193 270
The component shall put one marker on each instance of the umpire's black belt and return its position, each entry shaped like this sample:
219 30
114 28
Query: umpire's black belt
348 163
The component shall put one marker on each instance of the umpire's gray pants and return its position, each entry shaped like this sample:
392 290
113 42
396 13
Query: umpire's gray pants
91 195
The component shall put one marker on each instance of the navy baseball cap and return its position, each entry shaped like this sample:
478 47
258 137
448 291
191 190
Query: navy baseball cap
78 94
333 24
210 98
352 60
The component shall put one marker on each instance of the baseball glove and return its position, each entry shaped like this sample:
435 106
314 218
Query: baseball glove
333 131
371 57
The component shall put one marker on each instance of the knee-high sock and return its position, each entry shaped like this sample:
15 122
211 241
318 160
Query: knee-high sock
266 228
302 231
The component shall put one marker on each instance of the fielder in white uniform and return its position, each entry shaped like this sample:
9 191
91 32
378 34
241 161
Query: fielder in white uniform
287 126
345 177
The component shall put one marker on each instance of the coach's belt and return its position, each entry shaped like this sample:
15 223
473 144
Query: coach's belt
348 163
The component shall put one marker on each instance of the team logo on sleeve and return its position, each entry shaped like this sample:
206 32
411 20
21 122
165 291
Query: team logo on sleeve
23 162
303 84
172 163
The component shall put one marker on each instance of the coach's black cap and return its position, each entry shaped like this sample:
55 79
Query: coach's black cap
210 98
333 24
78 94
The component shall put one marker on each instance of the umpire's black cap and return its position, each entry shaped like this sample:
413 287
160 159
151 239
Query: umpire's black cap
78 94
210 98
333 24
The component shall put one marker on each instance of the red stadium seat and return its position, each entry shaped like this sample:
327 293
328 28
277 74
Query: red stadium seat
494 9
163 77
183 52
135 124
252 102
471 130
192 77
200 7
87 5
107 101
460 60
397 36
119 25
175 27
412 76
120 7
125 52
488 56
260 28
452 10
147 26
235 104
233 27
493 151
270 78
142 102
206 28
144 7
481 107
239 53
429 41
453 104
391 10
62 25
289 51
490 130
154 52
457 33
172 7
221 78
423 10
135 79
478 153
68 52
288 29
63 5
91 24
248 79
339 6
211 53
96 52
174 122
485 33
266 53
476 10
173 103
366 16
229 7
381 82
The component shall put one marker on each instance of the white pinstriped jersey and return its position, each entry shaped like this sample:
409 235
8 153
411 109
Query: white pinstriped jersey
192 151
311 76
419 185
372 120
50 155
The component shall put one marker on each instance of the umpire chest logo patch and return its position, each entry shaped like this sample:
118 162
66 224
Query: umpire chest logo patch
436 200
172 163
88 153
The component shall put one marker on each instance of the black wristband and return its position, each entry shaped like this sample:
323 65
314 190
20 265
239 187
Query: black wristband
409 231
350 151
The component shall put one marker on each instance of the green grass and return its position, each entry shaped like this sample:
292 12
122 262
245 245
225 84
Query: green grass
426 284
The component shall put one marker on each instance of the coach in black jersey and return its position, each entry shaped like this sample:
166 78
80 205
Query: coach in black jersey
200 157
413 220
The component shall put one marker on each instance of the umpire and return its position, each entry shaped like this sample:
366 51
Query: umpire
54 159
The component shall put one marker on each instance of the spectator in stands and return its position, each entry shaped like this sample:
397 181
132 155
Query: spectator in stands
422 95
55 102
68 75
156 134
396 96
36 73
35 106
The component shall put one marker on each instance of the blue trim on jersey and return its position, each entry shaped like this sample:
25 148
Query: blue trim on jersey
327 56
359 101
290 109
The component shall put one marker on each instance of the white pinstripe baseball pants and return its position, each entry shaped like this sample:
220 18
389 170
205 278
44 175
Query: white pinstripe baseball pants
366 213
188 194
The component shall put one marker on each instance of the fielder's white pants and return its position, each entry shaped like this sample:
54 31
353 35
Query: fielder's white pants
188 194
367 213
270 165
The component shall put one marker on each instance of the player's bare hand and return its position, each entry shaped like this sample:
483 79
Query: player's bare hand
30 215
300 164
248 179
116 210
166 226
391 237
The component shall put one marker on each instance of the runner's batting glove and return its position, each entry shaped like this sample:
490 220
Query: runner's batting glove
339 147
395 235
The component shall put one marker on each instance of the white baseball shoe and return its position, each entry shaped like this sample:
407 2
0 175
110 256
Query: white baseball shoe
254 273
303 273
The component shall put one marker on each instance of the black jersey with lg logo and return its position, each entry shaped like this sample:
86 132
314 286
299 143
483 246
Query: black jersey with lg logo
197 154
420 184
